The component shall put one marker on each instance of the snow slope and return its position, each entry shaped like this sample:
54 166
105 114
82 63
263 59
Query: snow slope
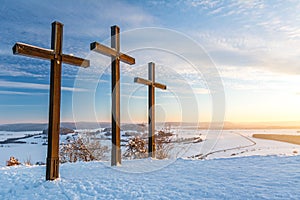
255 177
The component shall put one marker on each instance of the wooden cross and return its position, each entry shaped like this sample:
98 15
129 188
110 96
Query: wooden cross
57 58
151 105
116 57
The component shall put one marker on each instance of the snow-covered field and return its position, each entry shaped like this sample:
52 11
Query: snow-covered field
224 144
255 177
235 166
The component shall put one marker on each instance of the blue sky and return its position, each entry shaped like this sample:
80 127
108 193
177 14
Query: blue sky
232 60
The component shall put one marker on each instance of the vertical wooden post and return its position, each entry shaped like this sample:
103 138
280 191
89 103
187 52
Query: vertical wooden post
57 57
151 111
151 105
116 57
115 70
52 171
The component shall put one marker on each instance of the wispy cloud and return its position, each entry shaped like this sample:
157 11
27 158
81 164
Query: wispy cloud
259 80
21 105
34 86
18 73
253 32
3 92
205 4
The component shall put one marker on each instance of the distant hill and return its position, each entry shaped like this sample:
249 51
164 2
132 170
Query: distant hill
23 127
42 126
159 125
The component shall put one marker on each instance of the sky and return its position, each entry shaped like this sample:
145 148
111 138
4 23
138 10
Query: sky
231 60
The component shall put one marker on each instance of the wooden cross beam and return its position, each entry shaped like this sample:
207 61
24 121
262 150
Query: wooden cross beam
151 105
57 58
116 57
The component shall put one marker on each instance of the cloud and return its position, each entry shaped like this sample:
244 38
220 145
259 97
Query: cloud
255 79
21 105
2 92
201 91
18 73
216 11
204 4
84 22
276 51
35 86
133 96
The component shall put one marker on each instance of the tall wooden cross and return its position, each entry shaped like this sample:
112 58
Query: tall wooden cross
116 57
151 105
57 58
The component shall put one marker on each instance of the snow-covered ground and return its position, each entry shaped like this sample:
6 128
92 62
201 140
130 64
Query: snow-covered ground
236 166
256 177
224 144
239 143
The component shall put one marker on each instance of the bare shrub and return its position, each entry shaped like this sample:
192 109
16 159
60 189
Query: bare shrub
136 148
163 145
12 161
28 161
95 147
82 149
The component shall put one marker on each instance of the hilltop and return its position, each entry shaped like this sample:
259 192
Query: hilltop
257 177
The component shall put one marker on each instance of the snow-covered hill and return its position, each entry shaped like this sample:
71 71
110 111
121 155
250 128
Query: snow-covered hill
256 177
237 166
